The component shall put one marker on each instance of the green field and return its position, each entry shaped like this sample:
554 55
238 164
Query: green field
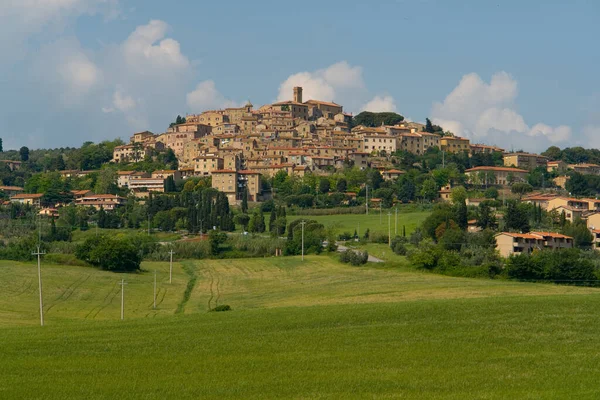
317 329
374 221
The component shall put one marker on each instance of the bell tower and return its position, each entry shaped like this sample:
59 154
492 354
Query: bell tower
298 94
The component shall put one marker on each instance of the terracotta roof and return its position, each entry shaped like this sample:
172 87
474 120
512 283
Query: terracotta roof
520 235
504 169
223 171
12 188
325 103
248 172
552 234
27 196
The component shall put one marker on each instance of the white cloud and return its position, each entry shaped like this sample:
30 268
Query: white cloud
206 96
327 84
380 104
123 102
482 111
66 71
147 49
592 135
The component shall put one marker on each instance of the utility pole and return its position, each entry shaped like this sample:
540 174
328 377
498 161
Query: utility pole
171 267
389 229
154 290
367 200
303 223
123 299
396 224
39 265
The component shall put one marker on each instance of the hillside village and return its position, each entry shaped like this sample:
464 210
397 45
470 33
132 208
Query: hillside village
241 151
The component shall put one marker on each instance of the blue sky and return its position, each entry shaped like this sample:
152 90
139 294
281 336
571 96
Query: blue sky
511 73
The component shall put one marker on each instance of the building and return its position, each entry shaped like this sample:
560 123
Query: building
495 175
485 149
525 160
324 109
11 190
380 143
144 185
204 165
508 243
392 174
226 181
585 168
11 164
295 107
454 144
558 166
33 199
250 180
105 201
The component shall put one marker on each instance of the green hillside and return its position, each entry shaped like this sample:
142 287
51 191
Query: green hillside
317 329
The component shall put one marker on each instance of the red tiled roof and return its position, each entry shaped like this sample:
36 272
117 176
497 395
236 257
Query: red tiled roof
503 169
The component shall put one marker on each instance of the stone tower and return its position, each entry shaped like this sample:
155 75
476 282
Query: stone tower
298 94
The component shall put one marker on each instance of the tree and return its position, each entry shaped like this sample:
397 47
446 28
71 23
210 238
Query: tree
109 253
428 125
243 220
216 238
516 217
582 238
257 221
521 188
1 146
370 119
458 194
429 190
341 185
324 185
460 215
170 184
24 153
485 216
245 200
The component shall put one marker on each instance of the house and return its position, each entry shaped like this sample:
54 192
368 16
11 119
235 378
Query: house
558 166
485 149
445 193
77 194
105 201
33 199
495 175
12 165
508 243
585 168
392 174
144 185
11 190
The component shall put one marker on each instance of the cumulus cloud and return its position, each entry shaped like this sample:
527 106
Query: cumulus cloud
339 82
380 104
206 96
328 84
482 111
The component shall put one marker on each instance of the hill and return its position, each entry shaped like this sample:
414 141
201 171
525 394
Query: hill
316 329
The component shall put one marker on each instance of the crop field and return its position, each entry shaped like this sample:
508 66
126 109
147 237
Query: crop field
312 329
374 221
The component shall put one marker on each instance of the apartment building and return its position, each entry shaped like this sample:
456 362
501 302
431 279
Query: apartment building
495 175
380 143
508 243
525 160
454 144
226 181
205 165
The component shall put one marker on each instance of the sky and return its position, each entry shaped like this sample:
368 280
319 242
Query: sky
520 75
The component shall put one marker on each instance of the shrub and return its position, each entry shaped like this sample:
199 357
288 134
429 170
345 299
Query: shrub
355 258
109 253
223 307
345 236
379 237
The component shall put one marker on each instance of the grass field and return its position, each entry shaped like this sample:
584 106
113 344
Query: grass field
317 329
374 222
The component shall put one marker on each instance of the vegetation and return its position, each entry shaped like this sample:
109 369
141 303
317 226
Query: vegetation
411 328
371 119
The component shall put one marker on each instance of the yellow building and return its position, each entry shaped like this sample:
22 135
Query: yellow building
454 144
495 175
324 109
379 143
225 180
205 165
251 180
525 160
508 243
